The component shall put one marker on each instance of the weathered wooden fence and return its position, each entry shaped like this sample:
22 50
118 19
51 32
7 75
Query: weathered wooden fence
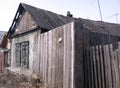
99 54
55 57
102 64
72 57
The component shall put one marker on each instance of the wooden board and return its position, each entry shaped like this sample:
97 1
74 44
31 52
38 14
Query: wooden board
70 57
56 56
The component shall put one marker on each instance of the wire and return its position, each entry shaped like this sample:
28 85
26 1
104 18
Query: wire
111 16
115 15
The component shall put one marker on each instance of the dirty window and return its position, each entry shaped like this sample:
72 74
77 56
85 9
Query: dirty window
22 54
25 54
18 54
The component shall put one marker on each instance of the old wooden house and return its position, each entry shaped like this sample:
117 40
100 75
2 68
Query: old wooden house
67 52
3 47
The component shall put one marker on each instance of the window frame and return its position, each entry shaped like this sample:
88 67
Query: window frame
23 59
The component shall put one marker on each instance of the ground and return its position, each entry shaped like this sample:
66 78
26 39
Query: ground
12 80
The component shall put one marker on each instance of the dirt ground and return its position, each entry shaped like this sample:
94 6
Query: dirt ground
12 80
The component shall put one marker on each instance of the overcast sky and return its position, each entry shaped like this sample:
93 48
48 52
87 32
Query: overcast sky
87 9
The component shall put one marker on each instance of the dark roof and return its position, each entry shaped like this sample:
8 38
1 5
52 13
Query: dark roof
48 20
2 33
44 19
101 27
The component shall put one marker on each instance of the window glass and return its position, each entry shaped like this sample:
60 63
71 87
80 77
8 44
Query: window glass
22 54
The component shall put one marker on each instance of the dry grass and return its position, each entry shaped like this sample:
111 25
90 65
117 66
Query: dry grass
12 80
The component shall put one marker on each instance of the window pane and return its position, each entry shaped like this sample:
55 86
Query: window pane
18 55
25 54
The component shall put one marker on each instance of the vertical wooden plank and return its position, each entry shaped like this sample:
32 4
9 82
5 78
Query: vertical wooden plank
46 57
107 66
85 62
95 71
112 66
65 77
42 37
116 68
88 68
118 76
78 60
72 53
118 64
98 67
102 67
92 66
69 52
86 59
119 57
41 53
56 57
64 62
43 60
115 62
67 57
42 67
53 59
49 84
60 56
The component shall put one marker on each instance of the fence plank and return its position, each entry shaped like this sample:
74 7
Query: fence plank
92 71
79 79
98 66
60 57
49 59
107 66
66 59
102 67
112 66
101 62
89 68
53 59
95 71
119 58
116 68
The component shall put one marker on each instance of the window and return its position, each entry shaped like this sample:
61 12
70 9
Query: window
18 54
22 54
